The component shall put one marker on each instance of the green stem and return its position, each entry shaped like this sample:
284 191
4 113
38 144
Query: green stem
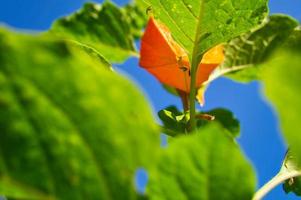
278 179
196 58
192 98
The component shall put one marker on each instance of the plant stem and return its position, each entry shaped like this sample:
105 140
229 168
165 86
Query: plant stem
192 97
195 60
278 179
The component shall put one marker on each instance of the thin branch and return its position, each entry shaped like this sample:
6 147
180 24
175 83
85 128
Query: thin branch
277 180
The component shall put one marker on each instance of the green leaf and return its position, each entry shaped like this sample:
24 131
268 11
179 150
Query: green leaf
68 126
207 165
294 39
281 77
176 122
200 25
244 54
225 118
103 28
19 191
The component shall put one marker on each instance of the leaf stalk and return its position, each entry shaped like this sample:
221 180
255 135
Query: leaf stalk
196 58
277 180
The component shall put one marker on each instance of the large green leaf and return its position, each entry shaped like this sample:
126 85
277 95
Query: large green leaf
68 126
281 77
104 28
199 25
203 166
245 53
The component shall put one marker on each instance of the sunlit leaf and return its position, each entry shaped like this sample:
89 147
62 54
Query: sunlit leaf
245 53
281 77
199 25
207 165
104 28
68 126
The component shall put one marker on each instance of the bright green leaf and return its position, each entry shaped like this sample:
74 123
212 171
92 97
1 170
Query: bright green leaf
207 165
245 53
68 126
200 25
281 77
104 28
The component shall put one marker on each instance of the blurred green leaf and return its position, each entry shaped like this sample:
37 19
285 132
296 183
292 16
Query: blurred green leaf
244 54
203 166
200 25
68 126
281 77
104 28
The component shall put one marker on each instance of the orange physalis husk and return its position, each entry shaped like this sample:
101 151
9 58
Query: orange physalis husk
163 57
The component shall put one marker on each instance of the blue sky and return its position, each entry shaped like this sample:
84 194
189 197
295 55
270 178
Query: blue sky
260 138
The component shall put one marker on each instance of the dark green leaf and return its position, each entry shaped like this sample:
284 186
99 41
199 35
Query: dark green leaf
245 53
293 185
203 166
177 121
225 117
68 126
103 28
174 119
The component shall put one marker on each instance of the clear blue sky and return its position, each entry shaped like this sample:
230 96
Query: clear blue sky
260 138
